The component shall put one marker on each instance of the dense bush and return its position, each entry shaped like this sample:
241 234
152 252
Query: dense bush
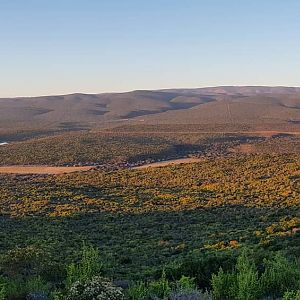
21 288
274 277
161 288
280 275
202 265
2 292
138 291
88 267
24 261
245 282
95 288
183 289
186 289
292 295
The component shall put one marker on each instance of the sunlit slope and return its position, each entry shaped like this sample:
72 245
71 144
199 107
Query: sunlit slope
207 105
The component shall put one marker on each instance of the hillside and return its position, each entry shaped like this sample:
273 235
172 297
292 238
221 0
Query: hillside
219 105
111 195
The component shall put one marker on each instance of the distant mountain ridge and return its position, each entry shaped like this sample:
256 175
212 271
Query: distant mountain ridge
244 90
224 104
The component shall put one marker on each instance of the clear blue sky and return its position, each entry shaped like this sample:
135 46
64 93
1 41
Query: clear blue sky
65 46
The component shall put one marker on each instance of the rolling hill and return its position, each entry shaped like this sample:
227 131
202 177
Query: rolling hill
216 105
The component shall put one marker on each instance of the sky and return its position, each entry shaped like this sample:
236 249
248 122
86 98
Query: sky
65 46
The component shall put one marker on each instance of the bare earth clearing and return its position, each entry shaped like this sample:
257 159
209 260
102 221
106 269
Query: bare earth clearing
178 161
62 170
243 148
41 169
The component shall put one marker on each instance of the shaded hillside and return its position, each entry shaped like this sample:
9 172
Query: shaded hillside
205 105
258 109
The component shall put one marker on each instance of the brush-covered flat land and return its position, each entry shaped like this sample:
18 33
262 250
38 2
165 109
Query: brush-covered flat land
222 190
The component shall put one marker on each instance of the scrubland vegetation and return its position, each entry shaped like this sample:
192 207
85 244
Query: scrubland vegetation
246 276
227 227
117 148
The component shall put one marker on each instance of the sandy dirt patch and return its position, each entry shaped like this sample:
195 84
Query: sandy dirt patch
164 163
243 148
41 169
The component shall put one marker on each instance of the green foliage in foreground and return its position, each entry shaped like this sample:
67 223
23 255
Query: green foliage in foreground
292 295
19 288
84 270
184 288
278 278
95 288
245 282
2 292
275 277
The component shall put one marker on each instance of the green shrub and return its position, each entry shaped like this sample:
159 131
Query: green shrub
186 283
223 285
248 286
280 275
15 288
27 261
37 285
138 291
20 288
88 267
56 295
242 284
95 288
2 291
291 295
160 288
201 266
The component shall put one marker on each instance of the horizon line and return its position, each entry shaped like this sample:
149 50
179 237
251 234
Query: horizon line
153 90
